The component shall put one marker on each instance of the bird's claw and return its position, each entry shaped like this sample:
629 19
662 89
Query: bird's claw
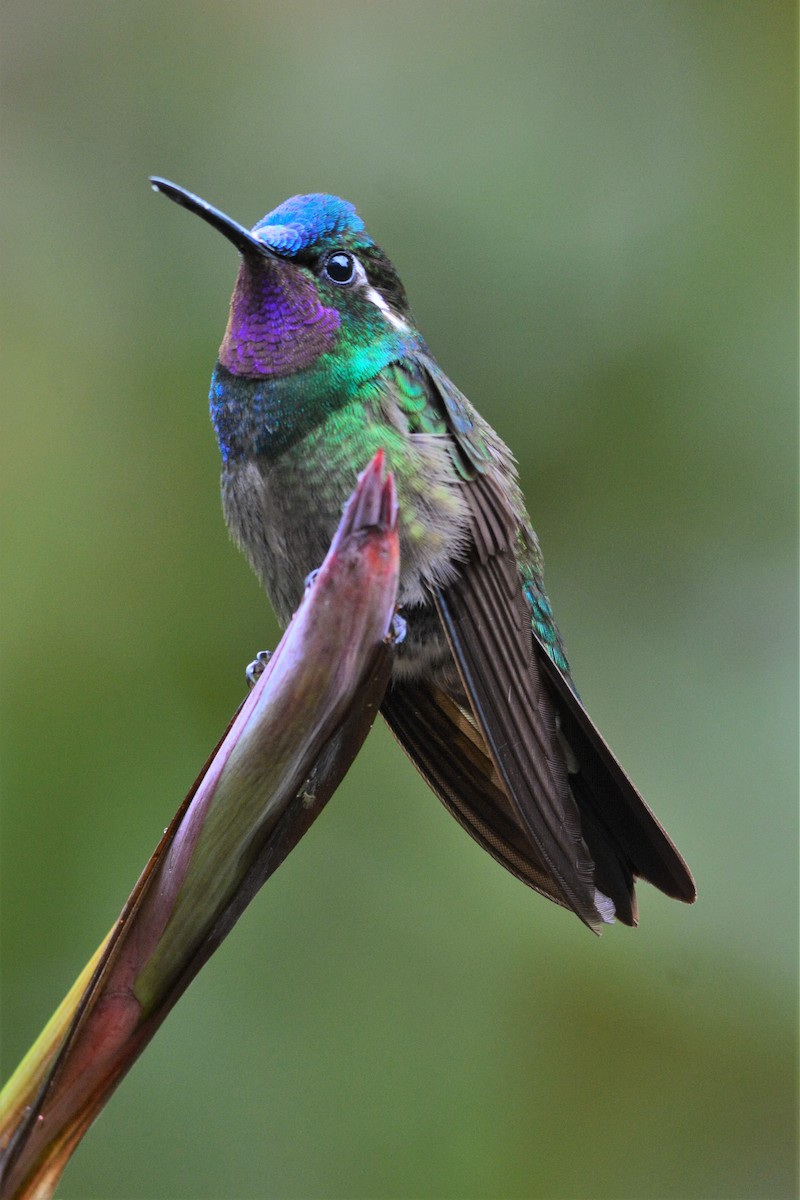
255 669
397 630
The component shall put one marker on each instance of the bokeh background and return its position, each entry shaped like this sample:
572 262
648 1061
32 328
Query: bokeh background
592 207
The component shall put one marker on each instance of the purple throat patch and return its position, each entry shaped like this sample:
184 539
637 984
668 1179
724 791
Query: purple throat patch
277 323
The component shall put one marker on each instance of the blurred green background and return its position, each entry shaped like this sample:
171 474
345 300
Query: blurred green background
592 207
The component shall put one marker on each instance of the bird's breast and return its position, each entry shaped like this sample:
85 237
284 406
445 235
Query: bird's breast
283 512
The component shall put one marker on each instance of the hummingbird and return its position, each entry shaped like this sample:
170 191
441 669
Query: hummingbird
322 366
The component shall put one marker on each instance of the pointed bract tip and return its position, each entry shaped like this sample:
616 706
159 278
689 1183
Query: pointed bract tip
389 505
364 509
388 512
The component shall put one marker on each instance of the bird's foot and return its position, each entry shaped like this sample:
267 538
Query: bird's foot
255 669
397 630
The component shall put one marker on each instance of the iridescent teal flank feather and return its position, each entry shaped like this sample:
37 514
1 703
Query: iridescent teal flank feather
320 367
543 623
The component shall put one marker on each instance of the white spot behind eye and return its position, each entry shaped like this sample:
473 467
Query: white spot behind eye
377 299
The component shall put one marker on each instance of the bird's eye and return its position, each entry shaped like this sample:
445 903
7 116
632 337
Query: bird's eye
341 268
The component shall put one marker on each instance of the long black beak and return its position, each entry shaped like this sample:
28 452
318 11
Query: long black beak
242 238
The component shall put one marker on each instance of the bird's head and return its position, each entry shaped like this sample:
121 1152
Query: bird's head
312 283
